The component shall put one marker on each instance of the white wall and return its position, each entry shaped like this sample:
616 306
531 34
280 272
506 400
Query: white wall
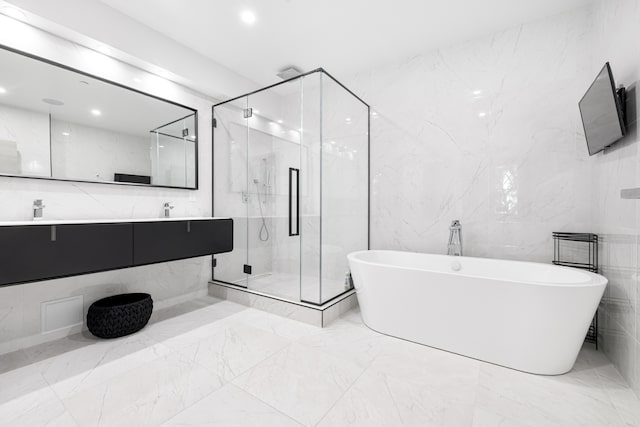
94 154
170 282
24 142
487 132
616 31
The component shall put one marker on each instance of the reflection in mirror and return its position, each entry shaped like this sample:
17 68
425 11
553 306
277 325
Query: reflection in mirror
61 124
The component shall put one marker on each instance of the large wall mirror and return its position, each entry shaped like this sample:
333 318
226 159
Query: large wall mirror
58 123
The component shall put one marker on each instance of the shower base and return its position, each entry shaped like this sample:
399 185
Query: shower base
261 296
287 286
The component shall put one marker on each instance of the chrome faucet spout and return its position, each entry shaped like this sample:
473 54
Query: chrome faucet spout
455 239
38 209
167 209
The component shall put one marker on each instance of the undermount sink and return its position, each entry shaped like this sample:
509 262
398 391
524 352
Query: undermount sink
101 221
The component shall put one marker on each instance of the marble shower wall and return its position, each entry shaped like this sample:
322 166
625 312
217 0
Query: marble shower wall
487 132
168 283
616 31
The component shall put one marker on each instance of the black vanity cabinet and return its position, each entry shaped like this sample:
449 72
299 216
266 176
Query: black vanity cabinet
166 241
35 252
39 252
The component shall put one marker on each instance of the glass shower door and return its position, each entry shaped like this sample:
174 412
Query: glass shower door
275 179
230 180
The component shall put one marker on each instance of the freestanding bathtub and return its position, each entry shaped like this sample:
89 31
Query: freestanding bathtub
527 316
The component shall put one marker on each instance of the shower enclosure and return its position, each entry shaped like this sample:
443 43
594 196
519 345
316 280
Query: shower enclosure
291 167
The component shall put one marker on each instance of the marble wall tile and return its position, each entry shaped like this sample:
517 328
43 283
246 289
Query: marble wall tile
11 319
615 25
459 133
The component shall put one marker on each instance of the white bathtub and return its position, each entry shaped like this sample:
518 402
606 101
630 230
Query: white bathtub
527 316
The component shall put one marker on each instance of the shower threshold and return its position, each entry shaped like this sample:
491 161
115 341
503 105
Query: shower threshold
317 315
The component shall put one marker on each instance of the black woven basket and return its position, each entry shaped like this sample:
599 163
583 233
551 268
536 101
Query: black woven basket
119 315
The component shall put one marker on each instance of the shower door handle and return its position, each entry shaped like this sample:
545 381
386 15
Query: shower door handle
294 208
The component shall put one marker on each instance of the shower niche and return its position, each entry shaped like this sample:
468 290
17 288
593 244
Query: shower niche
291 167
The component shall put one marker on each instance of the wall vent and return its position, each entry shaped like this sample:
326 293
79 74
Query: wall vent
61 314
289 72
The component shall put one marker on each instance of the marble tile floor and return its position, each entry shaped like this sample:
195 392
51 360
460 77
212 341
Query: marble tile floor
215 363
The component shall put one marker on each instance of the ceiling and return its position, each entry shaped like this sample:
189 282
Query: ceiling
343 36
27 83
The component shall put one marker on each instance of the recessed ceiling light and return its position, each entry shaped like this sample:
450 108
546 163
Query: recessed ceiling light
373 113
482 114
3 90
280 121
96 112
255 110
348 119
477 92
248 17
65 134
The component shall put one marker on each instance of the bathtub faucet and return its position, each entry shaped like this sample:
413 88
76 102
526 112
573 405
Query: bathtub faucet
455 239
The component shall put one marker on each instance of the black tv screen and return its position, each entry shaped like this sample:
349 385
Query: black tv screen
601 112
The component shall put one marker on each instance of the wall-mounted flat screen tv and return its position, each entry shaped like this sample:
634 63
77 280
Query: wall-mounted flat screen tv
602 112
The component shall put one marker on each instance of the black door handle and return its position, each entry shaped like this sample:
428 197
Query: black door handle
294 209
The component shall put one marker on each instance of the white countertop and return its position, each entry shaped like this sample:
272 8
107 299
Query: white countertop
101 221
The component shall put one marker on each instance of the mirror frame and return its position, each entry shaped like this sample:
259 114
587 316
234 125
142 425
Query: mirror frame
130 184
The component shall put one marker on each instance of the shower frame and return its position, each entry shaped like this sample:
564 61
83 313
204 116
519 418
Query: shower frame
368 163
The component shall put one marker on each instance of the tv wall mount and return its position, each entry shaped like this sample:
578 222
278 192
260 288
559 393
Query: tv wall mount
622 98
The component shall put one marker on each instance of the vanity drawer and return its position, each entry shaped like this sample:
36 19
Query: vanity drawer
38 252
173 240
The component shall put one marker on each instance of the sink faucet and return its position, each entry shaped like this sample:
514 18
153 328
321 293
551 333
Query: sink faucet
455 238
38 209
167 209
